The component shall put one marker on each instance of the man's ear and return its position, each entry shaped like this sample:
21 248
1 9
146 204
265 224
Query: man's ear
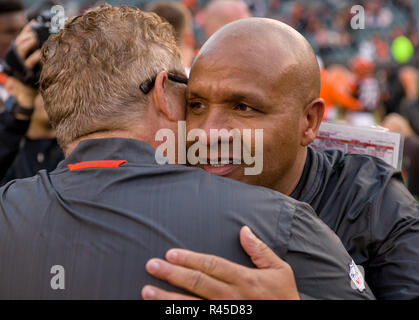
312 117
160 96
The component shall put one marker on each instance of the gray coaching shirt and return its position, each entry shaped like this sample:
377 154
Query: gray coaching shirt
86 230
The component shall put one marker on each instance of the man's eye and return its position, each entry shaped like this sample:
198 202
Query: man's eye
195 105
244 107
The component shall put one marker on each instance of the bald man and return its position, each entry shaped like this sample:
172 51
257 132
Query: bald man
262 74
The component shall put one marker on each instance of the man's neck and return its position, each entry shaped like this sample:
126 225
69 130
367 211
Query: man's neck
288 184
38 130
103 135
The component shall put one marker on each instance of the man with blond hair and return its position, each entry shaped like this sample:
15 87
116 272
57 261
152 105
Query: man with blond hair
111 79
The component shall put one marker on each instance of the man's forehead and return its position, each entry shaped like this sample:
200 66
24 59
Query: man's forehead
225 79
237 52
244 58
236 77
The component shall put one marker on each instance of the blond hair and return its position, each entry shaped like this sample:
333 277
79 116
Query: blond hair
92 69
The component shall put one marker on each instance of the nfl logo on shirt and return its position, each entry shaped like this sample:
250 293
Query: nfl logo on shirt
357 277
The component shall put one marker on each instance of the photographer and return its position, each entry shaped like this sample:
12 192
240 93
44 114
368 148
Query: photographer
12 21
27 141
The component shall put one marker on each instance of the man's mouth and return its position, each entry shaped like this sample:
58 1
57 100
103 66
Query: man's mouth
222 168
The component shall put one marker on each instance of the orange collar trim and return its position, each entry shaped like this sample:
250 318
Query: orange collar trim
96 164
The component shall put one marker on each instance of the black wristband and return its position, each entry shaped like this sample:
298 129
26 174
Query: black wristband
21 110
12 105
9 123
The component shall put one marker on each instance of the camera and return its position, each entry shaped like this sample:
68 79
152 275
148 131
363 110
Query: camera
42 26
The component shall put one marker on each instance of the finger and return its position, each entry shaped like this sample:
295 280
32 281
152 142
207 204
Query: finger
194 281
24 47
28 26
153 293
261 255
211 265
26 32
22 38
33 59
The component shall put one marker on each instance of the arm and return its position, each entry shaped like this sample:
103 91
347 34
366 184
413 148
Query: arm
13 125
344 99
11 132
212 277
393 270
316 256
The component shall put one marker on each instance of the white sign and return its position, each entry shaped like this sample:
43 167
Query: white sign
374 141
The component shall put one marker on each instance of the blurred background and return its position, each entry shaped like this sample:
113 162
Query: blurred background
377 65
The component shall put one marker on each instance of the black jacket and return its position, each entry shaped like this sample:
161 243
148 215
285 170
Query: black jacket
102 220
365 202
21 157
411 153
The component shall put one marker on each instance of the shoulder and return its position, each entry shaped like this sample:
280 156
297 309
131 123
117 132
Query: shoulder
204 182
375 186
28 191
360 174
326 276
354 161
23 204
362 189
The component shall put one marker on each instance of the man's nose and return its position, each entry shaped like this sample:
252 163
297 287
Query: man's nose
216 125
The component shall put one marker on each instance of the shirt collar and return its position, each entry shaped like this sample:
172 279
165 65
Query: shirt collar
307 183
131 150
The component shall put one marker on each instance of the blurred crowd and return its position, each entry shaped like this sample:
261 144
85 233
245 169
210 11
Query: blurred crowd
367 74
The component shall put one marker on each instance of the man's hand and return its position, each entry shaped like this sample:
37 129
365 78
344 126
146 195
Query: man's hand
25 42
24 95
211 277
